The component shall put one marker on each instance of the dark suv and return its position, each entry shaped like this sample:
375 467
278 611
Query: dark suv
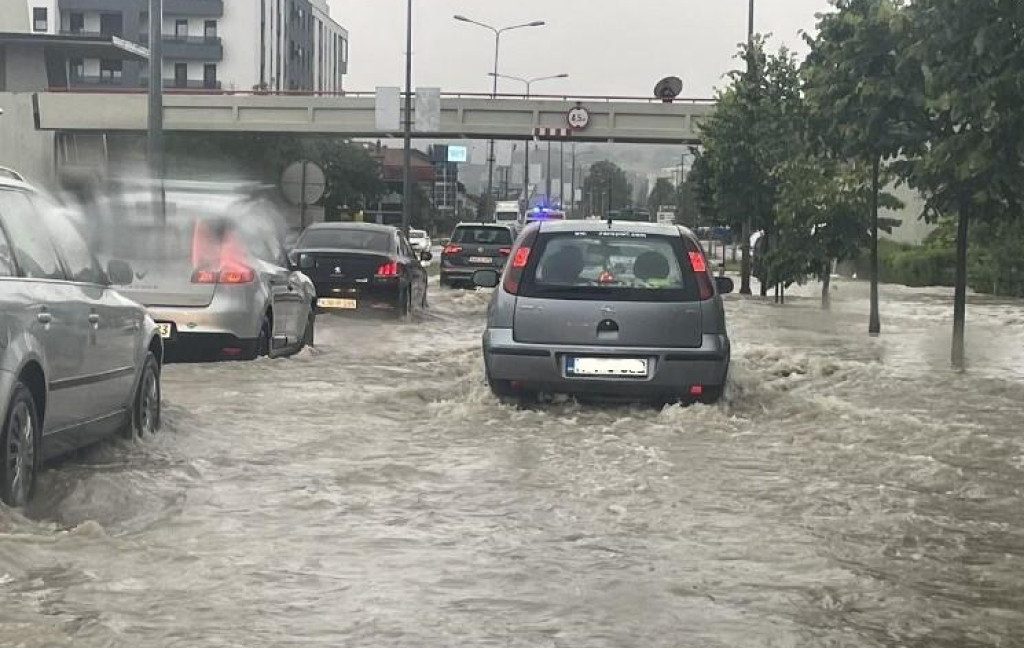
475 246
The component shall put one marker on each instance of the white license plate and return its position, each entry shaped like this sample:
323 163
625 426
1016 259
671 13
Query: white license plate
479 259
330 302
166 329
611 367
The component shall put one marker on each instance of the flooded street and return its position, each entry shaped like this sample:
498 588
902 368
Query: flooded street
849 492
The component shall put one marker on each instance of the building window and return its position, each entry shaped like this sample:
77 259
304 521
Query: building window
210 76
210 29
111 24
110 69
76 68
39 19
181 28
180 75
76 22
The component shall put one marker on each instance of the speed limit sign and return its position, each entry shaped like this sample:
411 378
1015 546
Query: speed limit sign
579 118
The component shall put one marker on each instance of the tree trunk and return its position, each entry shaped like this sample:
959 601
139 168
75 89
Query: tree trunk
826 285
875 325
745 267
960 293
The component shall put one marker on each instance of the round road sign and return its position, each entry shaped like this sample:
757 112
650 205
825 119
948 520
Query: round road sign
303 183
579 118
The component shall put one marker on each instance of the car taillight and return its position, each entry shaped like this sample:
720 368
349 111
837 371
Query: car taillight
451 249
520 259
505 251
700 269
230 274
236 273
388 269
697 262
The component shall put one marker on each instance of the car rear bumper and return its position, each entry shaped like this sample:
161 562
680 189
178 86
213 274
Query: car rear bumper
369 297
673 372
465 273
233 314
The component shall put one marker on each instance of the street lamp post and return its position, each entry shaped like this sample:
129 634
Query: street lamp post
747 225
529 84
407 127
155 118
494 90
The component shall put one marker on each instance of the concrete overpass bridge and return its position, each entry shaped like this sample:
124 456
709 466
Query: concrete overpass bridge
463 116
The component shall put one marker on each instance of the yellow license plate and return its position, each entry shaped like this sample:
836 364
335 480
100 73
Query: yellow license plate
165 328
331 302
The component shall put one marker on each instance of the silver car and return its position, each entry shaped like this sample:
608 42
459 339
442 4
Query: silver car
212 269
623 310
77 360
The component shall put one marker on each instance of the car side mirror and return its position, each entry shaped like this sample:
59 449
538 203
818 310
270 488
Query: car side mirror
426 255
486 278
725 285
120 273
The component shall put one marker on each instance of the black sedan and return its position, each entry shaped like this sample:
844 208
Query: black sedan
362 267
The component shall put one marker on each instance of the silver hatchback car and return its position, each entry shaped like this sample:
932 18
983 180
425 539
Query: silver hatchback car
212 270
613 309
77 360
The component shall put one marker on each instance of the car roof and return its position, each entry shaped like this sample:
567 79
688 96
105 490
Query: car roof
505 225
550 226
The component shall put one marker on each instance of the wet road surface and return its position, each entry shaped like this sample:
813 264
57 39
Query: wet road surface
850 492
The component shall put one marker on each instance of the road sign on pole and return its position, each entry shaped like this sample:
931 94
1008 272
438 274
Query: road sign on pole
303 183
428 110
388 109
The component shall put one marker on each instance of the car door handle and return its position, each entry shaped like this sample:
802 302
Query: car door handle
44 318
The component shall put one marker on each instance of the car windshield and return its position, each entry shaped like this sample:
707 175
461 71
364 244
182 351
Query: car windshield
610 265
346 239
482 235
417 234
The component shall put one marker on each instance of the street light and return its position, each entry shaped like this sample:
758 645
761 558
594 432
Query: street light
529 83
494 91
407 127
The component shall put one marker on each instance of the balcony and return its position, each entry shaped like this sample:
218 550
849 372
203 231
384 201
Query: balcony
190 48
191 84
79 81
194 8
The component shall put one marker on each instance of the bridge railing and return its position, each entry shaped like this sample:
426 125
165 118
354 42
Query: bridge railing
371 94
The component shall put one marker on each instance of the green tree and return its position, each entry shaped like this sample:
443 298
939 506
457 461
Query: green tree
824 209
756 128
353 178
606 188
968 159
663 194
860 95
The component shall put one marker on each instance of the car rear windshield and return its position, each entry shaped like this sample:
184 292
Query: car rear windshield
346 239
482 235
417 234
610 266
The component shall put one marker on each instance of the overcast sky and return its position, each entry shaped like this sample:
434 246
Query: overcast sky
611 47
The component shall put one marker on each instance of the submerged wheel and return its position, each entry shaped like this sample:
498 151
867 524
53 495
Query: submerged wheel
309 339
404 304
146 407
19 444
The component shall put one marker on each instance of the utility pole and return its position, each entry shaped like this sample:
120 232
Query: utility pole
155 118
407 153
548 175
572 198
747 224
561 174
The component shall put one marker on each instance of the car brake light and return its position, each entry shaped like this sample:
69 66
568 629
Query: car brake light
505 251
521 258
700 269
388 269
451 249
697 390
236 274
697 261
205 276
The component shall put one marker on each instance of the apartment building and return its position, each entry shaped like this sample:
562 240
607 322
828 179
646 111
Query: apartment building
274 45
